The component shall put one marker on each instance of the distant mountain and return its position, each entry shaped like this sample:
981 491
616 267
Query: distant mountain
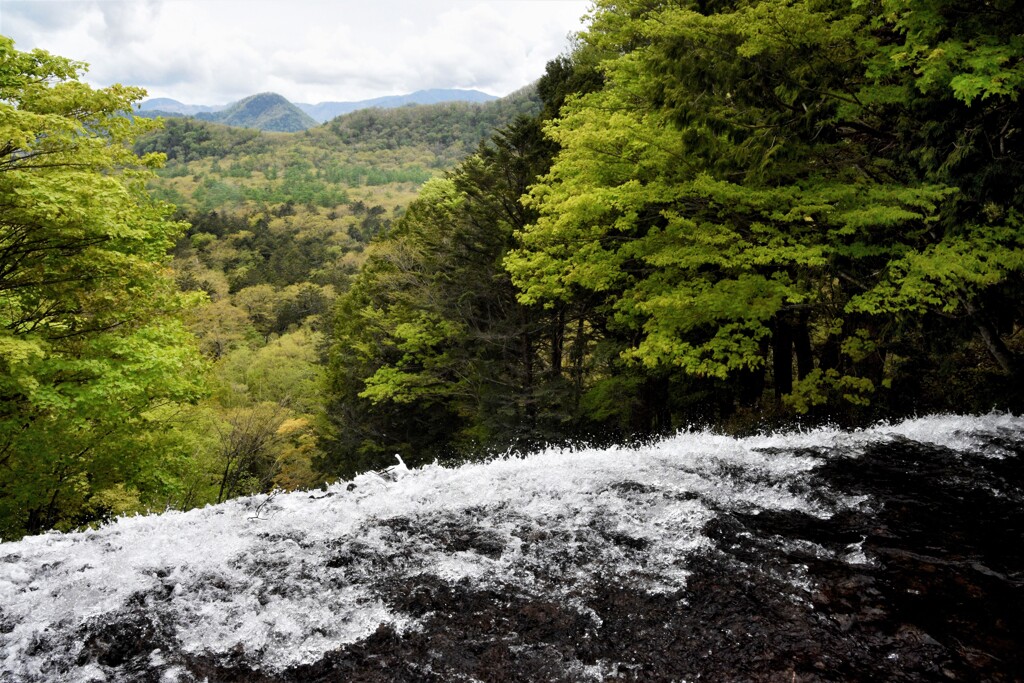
451 130
266 111
165 105
272 112
325 111
432 136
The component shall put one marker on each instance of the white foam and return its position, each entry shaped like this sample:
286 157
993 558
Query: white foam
272 585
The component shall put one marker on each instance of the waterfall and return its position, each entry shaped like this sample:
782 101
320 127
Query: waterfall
894 552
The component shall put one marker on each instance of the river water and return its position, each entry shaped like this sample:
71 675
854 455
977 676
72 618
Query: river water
894 553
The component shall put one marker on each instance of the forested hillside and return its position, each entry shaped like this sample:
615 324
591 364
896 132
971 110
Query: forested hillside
168 354
272 112
745 213
265 111
325 111
741 214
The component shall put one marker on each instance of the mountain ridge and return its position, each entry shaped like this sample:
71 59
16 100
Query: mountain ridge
263 111
172 106
325 111
290 116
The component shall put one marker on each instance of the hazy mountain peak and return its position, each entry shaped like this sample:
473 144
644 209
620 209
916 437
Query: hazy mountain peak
273 112
325 111
264 111
171 106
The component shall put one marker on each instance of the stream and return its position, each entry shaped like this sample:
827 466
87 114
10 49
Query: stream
892 553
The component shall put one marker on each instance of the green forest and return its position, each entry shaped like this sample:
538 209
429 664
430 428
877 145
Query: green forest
739 214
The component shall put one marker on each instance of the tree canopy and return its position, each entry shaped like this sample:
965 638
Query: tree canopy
90 344
763 183
744 211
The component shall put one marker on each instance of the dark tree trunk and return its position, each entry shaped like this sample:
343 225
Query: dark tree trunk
578 353
782 357
530 406
751 386
802 346
652 415
990 337
557 342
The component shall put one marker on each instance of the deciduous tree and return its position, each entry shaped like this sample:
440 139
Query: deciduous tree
779 189
90 342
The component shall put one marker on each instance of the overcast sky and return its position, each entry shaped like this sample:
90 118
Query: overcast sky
218 51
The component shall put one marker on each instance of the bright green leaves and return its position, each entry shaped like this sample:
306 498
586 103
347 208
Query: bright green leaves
829 387
423 371
87 306
991 72
970 51
738 198
944 275
792 205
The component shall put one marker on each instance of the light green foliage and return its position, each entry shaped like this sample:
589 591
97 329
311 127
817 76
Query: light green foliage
222 327
286 371
299 450
432 356
88 309
734 184
942 276
828 387
422 343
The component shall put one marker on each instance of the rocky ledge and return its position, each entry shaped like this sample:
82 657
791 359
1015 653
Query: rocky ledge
878 556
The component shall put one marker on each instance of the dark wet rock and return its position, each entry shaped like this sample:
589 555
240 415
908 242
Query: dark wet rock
130 643
491 635
909 567
777 599
632 487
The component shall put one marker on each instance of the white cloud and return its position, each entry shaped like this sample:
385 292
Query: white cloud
215 51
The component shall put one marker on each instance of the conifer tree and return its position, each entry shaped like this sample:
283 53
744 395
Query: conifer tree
753 193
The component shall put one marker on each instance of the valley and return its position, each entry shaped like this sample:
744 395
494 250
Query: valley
701 357
195 311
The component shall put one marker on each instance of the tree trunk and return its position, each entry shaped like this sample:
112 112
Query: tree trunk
530 407
990 337
802 346
557 342
224 481
782 357
651 415
751 385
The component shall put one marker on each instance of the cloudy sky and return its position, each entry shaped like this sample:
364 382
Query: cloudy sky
218 51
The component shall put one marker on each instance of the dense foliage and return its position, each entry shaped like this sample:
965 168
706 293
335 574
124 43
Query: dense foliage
757 210
784 181
432 349
92 353
735 212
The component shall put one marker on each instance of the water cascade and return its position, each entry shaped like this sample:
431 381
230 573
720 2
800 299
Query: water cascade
891 553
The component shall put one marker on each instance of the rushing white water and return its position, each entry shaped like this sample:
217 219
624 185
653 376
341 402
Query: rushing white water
286 580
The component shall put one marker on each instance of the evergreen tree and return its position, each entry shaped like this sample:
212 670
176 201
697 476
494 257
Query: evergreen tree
737 197
433 355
